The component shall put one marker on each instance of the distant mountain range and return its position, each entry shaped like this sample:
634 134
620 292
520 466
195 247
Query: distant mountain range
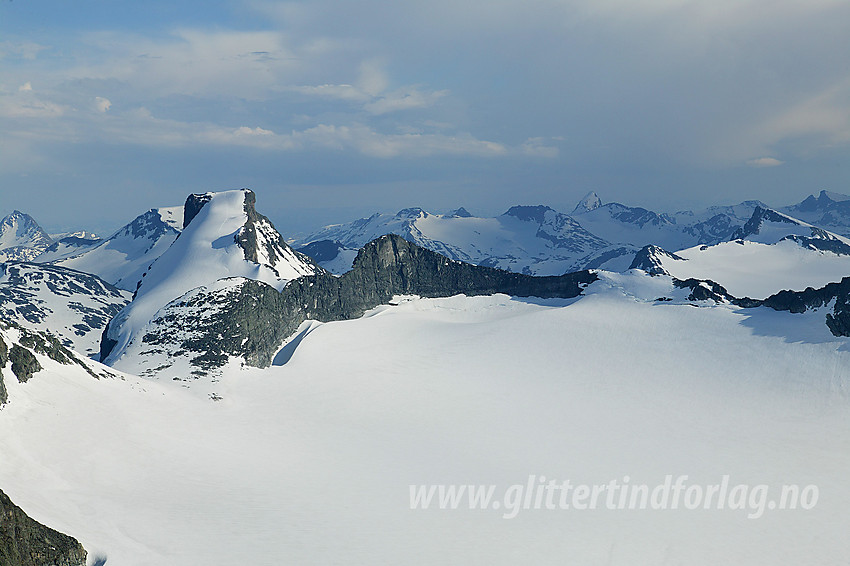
538 240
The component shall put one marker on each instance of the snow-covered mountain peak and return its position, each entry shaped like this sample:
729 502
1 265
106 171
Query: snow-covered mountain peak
411 213
591 201
21 238
223 238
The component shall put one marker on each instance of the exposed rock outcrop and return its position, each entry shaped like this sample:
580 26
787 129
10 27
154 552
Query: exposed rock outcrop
4 357
650 260
194 204
24 363
26 542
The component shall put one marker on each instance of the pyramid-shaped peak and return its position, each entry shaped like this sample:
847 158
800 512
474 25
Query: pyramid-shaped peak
461 213
591 201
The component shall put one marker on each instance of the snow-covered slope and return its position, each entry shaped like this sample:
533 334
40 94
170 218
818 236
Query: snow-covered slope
21 238
534 240
223 237
25 352
770 253
73 306
311 462
124 257
67 247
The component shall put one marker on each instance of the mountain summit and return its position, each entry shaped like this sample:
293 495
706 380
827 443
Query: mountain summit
21 238
224 239
591 201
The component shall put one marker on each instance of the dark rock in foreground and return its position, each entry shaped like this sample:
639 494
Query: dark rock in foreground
26 542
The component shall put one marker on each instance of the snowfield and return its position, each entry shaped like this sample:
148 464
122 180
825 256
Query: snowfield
311 462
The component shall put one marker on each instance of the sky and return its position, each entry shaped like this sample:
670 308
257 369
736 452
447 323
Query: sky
333 110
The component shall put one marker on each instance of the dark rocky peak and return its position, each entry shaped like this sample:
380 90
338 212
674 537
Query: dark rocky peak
825 200
194 204
529 213
261 241
651 260
460 213
810 204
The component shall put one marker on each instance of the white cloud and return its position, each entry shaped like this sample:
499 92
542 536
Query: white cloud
764 162
192 62
27 86
141 127
102 104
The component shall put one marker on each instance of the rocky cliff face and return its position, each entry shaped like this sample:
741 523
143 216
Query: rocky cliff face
25 542
249 319
263 244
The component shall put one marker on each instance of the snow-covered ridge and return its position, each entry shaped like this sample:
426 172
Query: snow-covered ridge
124 257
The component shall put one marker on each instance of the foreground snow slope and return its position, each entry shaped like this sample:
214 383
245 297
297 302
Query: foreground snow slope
310 462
